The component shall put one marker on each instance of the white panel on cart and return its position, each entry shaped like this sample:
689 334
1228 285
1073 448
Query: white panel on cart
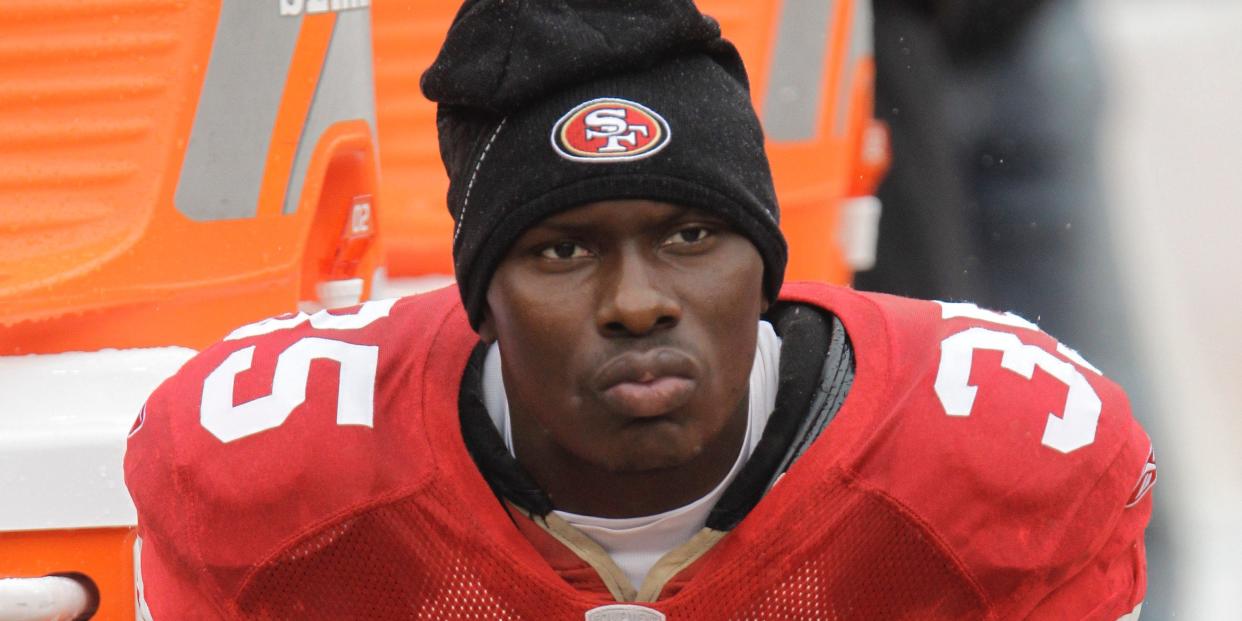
63 423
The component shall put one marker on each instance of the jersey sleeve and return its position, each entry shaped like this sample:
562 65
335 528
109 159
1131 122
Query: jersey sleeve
283 427
1020 458
1108 588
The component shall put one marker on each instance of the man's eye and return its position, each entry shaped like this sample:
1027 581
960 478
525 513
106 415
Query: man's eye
688 235
564 250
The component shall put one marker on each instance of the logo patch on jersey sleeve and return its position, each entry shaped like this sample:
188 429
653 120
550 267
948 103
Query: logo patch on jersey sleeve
610 130
138 422
1147 479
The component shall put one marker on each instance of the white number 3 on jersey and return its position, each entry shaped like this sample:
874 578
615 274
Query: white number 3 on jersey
1073 429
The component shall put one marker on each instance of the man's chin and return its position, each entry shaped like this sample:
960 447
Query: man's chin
641 458
646 466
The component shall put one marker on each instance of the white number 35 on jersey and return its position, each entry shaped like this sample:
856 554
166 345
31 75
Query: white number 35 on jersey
1073 429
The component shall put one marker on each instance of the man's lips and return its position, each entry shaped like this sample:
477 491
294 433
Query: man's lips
647 384
649 399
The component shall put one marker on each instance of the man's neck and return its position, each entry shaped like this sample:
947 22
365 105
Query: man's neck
578 486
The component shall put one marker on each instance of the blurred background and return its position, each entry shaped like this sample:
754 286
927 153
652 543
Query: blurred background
1076 163
1170 146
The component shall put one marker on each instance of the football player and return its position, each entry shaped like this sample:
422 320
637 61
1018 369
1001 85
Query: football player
619 412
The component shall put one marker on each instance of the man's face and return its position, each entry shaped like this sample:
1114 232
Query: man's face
627 331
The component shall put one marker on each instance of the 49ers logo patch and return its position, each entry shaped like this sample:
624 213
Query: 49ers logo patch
609 130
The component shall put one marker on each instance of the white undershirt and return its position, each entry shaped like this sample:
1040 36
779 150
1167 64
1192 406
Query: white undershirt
636 543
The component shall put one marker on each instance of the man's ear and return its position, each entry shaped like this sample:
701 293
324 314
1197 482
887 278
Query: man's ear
487 327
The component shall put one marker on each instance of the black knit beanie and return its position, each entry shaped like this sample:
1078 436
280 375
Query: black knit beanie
546 105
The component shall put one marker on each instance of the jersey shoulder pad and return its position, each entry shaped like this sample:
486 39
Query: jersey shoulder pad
284 424
1009 446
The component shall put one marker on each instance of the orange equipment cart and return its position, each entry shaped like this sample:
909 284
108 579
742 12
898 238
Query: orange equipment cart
169 170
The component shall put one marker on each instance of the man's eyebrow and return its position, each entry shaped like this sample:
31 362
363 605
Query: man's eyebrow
551 226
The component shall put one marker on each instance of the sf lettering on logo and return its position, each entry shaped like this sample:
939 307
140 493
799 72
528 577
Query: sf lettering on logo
609 130
611 125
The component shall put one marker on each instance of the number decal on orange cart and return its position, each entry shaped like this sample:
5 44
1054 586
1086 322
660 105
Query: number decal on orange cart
356 385
1073 429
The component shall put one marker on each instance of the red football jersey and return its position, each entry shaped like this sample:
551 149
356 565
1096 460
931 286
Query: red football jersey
314 468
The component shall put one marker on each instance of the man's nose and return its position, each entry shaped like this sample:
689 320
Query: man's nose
635 297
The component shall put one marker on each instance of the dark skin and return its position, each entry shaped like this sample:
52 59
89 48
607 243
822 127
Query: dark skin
627 331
